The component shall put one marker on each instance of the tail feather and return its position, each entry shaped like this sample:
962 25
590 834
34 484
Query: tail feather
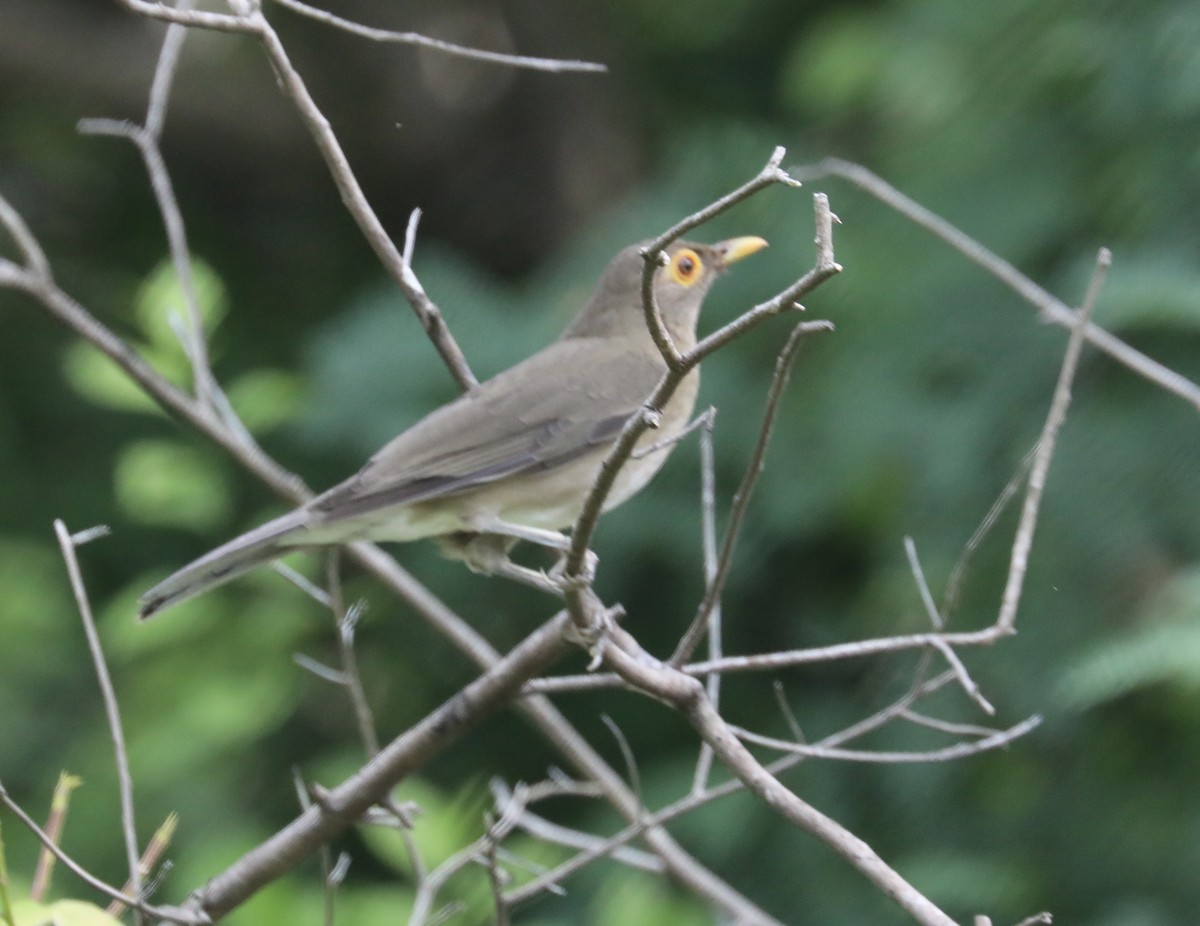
219 566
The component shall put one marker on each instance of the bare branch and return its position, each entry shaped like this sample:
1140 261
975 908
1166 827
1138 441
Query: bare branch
360 209
1045 448
956 664
549 720
694 800
631 768
635 427
35 258
340 807
655 256
146 138
545 830
824 268
221 22
945 726
346 620
741 499
708 540
914 565
170 914
687 695
552 65
1048 305
111 709
958 574
56 820
946 754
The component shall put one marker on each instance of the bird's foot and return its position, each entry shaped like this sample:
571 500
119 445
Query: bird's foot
581 579
595 627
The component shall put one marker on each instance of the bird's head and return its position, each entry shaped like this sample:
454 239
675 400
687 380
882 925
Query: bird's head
680 286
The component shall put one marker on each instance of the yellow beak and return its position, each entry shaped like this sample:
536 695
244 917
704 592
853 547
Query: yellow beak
735 249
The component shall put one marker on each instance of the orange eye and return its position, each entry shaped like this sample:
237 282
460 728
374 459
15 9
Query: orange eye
685 267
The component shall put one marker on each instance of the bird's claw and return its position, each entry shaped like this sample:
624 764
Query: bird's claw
582 579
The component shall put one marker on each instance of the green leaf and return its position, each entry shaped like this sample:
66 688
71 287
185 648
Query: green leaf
98 379
61 913
163 483
265 399
161 296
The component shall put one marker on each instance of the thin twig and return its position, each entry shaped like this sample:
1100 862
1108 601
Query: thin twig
360 210
146 139
635 427
496 881
786 300
324 853
203 19
410 236
111 709
346 620
704 420
945 726
945 754
692 801
155 848
741 499
553 65
914 565
1048 305
35 258
622 652
476 852
1045 448
782 659
550 722
170 914
631 768
959 572
935 618
708 541
55 822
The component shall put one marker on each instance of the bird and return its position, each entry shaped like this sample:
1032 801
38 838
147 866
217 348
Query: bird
513 458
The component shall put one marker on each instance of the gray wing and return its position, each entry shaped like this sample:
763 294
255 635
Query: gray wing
586 389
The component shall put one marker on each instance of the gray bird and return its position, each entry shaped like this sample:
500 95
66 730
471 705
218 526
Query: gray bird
515 457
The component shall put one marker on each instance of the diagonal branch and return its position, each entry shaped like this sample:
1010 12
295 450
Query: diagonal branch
67 544
687 695
167 914
1045 448
1051 307
551 65
343 806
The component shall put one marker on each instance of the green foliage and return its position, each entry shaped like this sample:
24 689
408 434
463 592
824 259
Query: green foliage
1045 130
1159 649
61 913
162 482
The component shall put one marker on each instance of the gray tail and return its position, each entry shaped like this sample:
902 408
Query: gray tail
226 562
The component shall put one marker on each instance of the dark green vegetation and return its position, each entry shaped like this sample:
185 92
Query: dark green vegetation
1045 130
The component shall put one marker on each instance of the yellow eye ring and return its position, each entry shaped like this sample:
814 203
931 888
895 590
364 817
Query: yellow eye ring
686 267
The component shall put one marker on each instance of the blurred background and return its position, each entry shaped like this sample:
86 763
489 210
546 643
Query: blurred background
1044 130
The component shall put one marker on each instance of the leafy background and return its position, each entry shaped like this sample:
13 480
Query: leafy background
1045 130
